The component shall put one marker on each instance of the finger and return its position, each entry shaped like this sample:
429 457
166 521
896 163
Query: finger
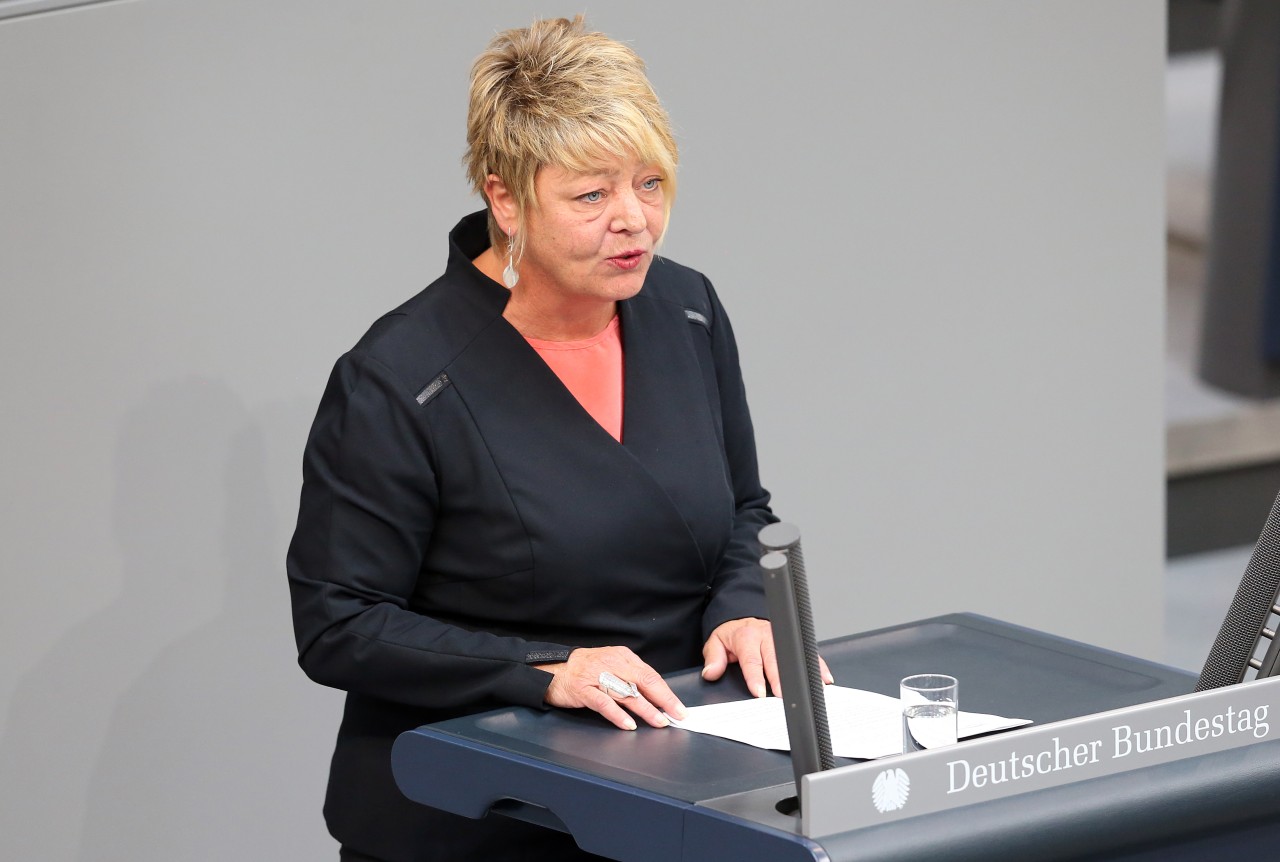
714 659
639 705
748 644
659 697
597 700
753 670
770 658
826 672
651 714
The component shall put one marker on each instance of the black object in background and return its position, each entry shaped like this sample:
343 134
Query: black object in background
1232 654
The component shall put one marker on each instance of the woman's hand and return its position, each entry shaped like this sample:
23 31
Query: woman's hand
749 642
576 683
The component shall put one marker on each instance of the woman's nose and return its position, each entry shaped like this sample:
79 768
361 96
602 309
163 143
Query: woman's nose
629 216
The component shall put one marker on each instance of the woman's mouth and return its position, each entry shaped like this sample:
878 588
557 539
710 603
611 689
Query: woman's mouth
628 259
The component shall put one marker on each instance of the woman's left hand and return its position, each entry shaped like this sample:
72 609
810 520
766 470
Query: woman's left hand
749 642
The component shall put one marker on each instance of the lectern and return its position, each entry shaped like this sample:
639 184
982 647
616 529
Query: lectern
674 795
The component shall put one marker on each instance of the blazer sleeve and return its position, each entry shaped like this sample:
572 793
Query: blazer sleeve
737 589
368 505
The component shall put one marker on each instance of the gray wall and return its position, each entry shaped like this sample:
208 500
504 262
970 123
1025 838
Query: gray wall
937 226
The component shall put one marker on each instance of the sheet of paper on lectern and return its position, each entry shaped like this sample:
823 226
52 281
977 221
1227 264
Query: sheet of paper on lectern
864 725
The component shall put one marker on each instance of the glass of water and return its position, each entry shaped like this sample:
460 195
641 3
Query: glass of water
930 709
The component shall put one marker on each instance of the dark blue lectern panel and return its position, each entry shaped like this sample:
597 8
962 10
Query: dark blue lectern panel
573 771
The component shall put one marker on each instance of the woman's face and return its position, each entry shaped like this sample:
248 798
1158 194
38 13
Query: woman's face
592 235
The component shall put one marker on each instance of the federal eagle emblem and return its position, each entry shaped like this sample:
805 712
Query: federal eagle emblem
890 790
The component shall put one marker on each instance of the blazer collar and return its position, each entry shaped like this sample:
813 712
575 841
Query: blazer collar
476 290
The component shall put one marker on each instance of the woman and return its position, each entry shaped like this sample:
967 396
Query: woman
538 470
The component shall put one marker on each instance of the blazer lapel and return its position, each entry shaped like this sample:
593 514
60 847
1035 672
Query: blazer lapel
667 424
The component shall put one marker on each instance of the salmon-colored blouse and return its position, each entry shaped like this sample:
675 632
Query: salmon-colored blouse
592 370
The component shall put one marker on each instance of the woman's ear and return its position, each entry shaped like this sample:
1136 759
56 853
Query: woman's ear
502 204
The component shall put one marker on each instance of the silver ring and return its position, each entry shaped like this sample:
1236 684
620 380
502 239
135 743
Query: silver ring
611 683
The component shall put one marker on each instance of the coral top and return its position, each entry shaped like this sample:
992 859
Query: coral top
592 370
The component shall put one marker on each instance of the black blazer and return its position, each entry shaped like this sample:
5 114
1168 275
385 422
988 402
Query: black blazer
463 518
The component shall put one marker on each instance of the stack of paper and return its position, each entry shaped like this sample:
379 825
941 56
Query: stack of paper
864 725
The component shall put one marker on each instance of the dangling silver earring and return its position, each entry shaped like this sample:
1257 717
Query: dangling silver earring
509 275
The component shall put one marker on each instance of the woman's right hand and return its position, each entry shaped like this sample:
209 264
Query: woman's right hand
576 683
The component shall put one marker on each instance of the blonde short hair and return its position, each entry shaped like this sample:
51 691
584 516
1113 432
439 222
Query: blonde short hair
555 94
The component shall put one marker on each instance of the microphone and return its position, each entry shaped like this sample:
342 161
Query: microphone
787 593
1245 624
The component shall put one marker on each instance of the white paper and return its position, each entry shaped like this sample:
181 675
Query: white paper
864 725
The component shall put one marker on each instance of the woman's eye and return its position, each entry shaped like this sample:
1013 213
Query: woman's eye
592 197
651 184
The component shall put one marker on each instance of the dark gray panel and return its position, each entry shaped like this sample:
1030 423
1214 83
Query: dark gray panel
1222 509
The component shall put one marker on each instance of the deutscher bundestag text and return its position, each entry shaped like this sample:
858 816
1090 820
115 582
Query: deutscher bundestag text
1125 741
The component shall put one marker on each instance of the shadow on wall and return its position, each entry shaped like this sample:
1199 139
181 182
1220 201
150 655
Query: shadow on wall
154 730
